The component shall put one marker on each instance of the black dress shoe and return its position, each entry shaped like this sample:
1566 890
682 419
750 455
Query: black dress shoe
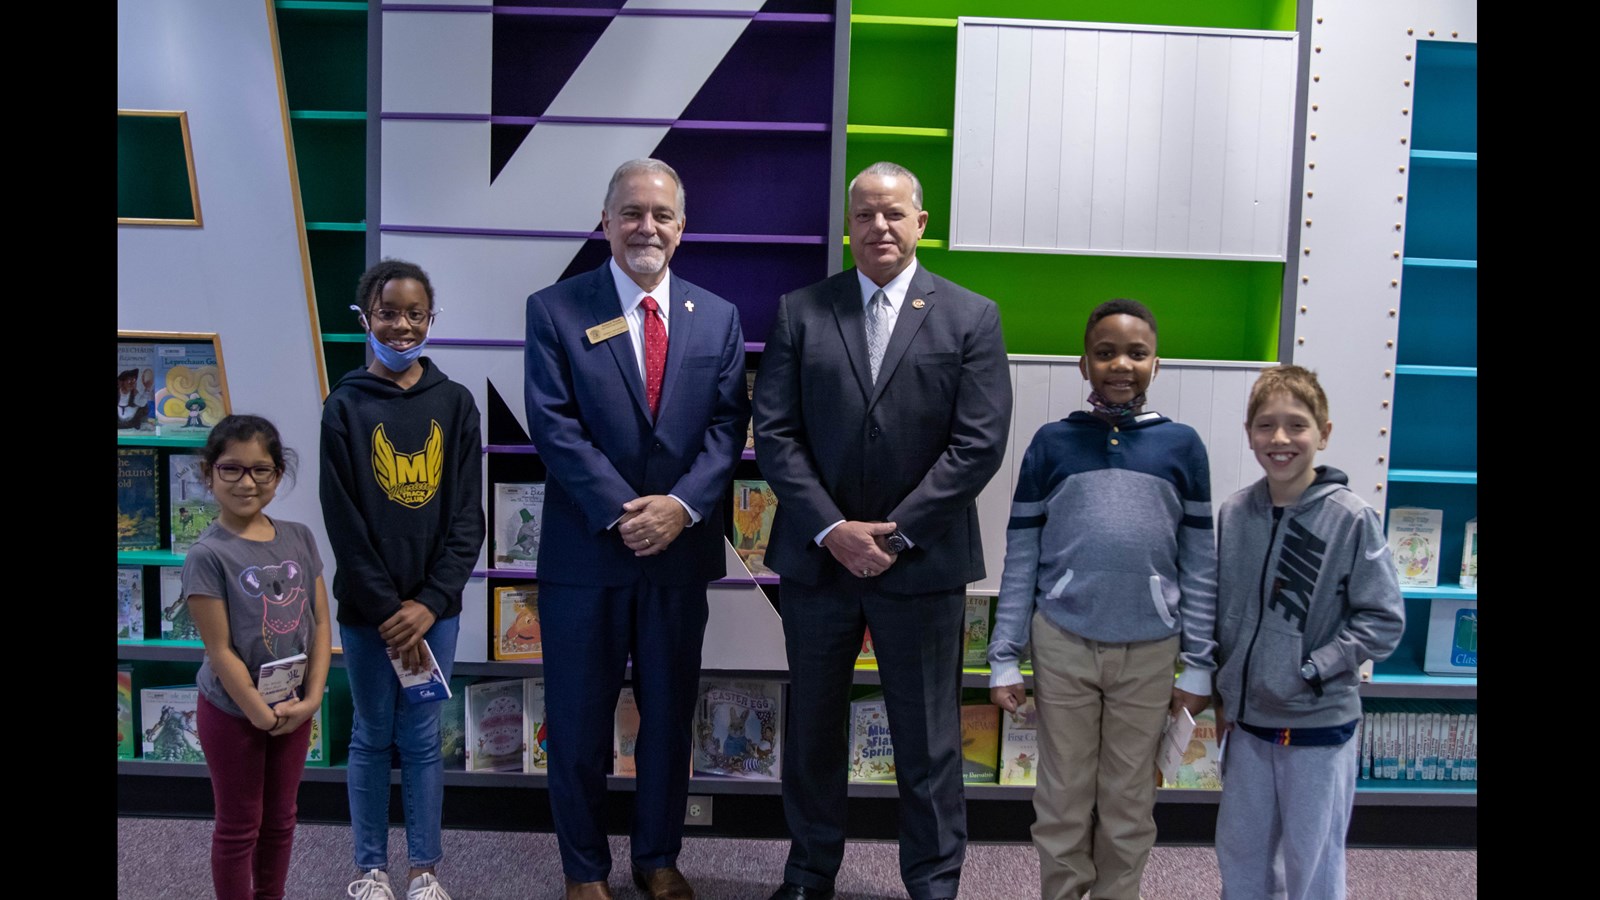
792 891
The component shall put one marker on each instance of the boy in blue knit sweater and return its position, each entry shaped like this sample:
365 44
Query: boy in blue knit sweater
1110 573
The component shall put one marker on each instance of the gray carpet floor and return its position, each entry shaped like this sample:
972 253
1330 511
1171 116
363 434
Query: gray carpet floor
168 859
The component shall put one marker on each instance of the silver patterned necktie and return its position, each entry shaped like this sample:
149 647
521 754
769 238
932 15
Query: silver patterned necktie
877 330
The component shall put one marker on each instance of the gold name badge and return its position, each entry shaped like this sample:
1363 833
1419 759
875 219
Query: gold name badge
607 330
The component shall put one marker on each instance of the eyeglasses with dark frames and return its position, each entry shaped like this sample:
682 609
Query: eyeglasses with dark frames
231 472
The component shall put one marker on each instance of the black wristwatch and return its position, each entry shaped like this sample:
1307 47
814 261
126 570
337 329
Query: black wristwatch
1308 671
896 542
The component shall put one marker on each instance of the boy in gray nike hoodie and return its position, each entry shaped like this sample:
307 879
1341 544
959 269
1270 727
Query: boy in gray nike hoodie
1305 592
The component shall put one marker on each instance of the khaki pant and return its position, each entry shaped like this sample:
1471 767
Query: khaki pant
1102 707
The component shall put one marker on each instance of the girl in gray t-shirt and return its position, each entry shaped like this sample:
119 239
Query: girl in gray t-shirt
254 588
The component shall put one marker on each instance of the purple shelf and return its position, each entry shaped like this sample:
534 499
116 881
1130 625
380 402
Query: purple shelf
510 448
765 579
754 346
688 124
477 342
569 11
529 574
691 237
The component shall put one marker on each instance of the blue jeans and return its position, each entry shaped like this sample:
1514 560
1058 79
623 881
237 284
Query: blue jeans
381 721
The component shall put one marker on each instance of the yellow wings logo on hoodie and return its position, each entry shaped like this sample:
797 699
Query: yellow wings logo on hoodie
410 479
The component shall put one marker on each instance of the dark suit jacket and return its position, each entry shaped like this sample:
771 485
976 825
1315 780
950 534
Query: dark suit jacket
914 449
588 418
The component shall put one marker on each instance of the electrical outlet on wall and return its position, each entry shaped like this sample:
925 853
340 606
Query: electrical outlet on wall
698 811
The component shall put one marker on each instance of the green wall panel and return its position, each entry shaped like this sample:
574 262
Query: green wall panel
153 169
1264 14
1205 309
904 75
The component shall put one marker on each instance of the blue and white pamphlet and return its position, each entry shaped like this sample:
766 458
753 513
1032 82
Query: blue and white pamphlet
280 679
427 685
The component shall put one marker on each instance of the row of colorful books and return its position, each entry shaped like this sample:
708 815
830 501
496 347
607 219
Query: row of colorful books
168 388
499 726
1002 747
1416 544
1419 740
161 726
173 622
190 506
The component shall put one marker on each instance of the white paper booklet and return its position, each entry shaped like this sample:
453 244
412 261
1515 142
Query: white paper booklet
280 679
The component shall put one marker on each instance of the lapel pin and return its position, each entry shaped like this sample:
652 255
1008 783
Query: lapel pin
688 305
917 303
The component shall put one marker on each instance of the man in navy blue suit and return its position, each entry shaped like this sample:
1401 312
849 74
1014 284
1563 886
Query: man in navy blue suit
636 403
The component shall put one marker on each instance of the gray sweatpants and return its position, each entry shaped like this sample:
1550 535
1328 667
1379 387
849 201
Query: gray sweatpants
1283 818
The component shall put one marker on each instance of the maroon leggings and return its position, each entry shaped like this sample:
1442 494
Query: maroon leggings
254 780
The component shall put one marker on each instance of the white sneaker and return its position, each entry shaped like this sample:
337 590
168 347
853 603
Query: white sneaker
373 885
426 887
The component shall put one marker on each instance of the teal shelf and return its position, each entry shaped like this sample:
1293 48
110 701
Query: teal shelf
1433 476
149 558
161 440
341 115
1442 592
1402 786
1444 371
336 226
322 5
1425 262
344 338
1443 156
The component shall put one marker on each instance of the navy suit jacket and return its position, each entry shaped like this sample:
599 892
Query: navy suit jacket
915 448
589 420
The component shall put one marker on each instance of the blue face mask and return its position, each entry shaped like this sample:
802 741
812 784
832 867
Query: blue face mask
391 359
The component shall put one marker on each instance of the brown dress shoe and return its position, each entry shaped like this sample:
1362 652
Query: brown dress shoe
588 890
666 883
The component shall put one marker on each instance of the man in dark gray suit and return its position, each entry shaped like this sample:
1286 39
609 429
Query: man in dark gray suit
882 408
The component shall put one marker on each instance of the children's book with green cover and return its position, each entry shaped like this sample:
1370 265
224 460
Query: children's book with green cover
167 716
871 747
130 603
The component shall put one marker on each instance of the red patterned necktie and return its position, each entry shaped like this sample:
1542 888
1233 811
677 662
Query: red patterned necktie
655 352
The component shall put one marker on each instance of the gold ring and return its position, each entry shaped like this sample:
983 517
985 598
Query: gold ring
647 542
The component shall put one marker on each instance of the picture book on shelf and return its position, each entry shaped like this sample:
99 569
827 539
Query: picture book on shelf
868 657
127 738
176 624
754 505
517 511
1469 556
453 727
130 603
188 388
494 726
516 623
975 633
871 746
750 393
1415 541
1019 744
190 505
535 739
138 511
1198 767
280 679
1452 646
167 716
427 685
738 729
317 752
136 387
625 735
980 742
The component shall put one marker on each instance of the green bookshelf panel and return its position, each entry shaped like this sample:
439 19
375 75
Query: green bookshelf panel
153 169
324 56
332 158
1264 14
343 358
902 75
337 260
